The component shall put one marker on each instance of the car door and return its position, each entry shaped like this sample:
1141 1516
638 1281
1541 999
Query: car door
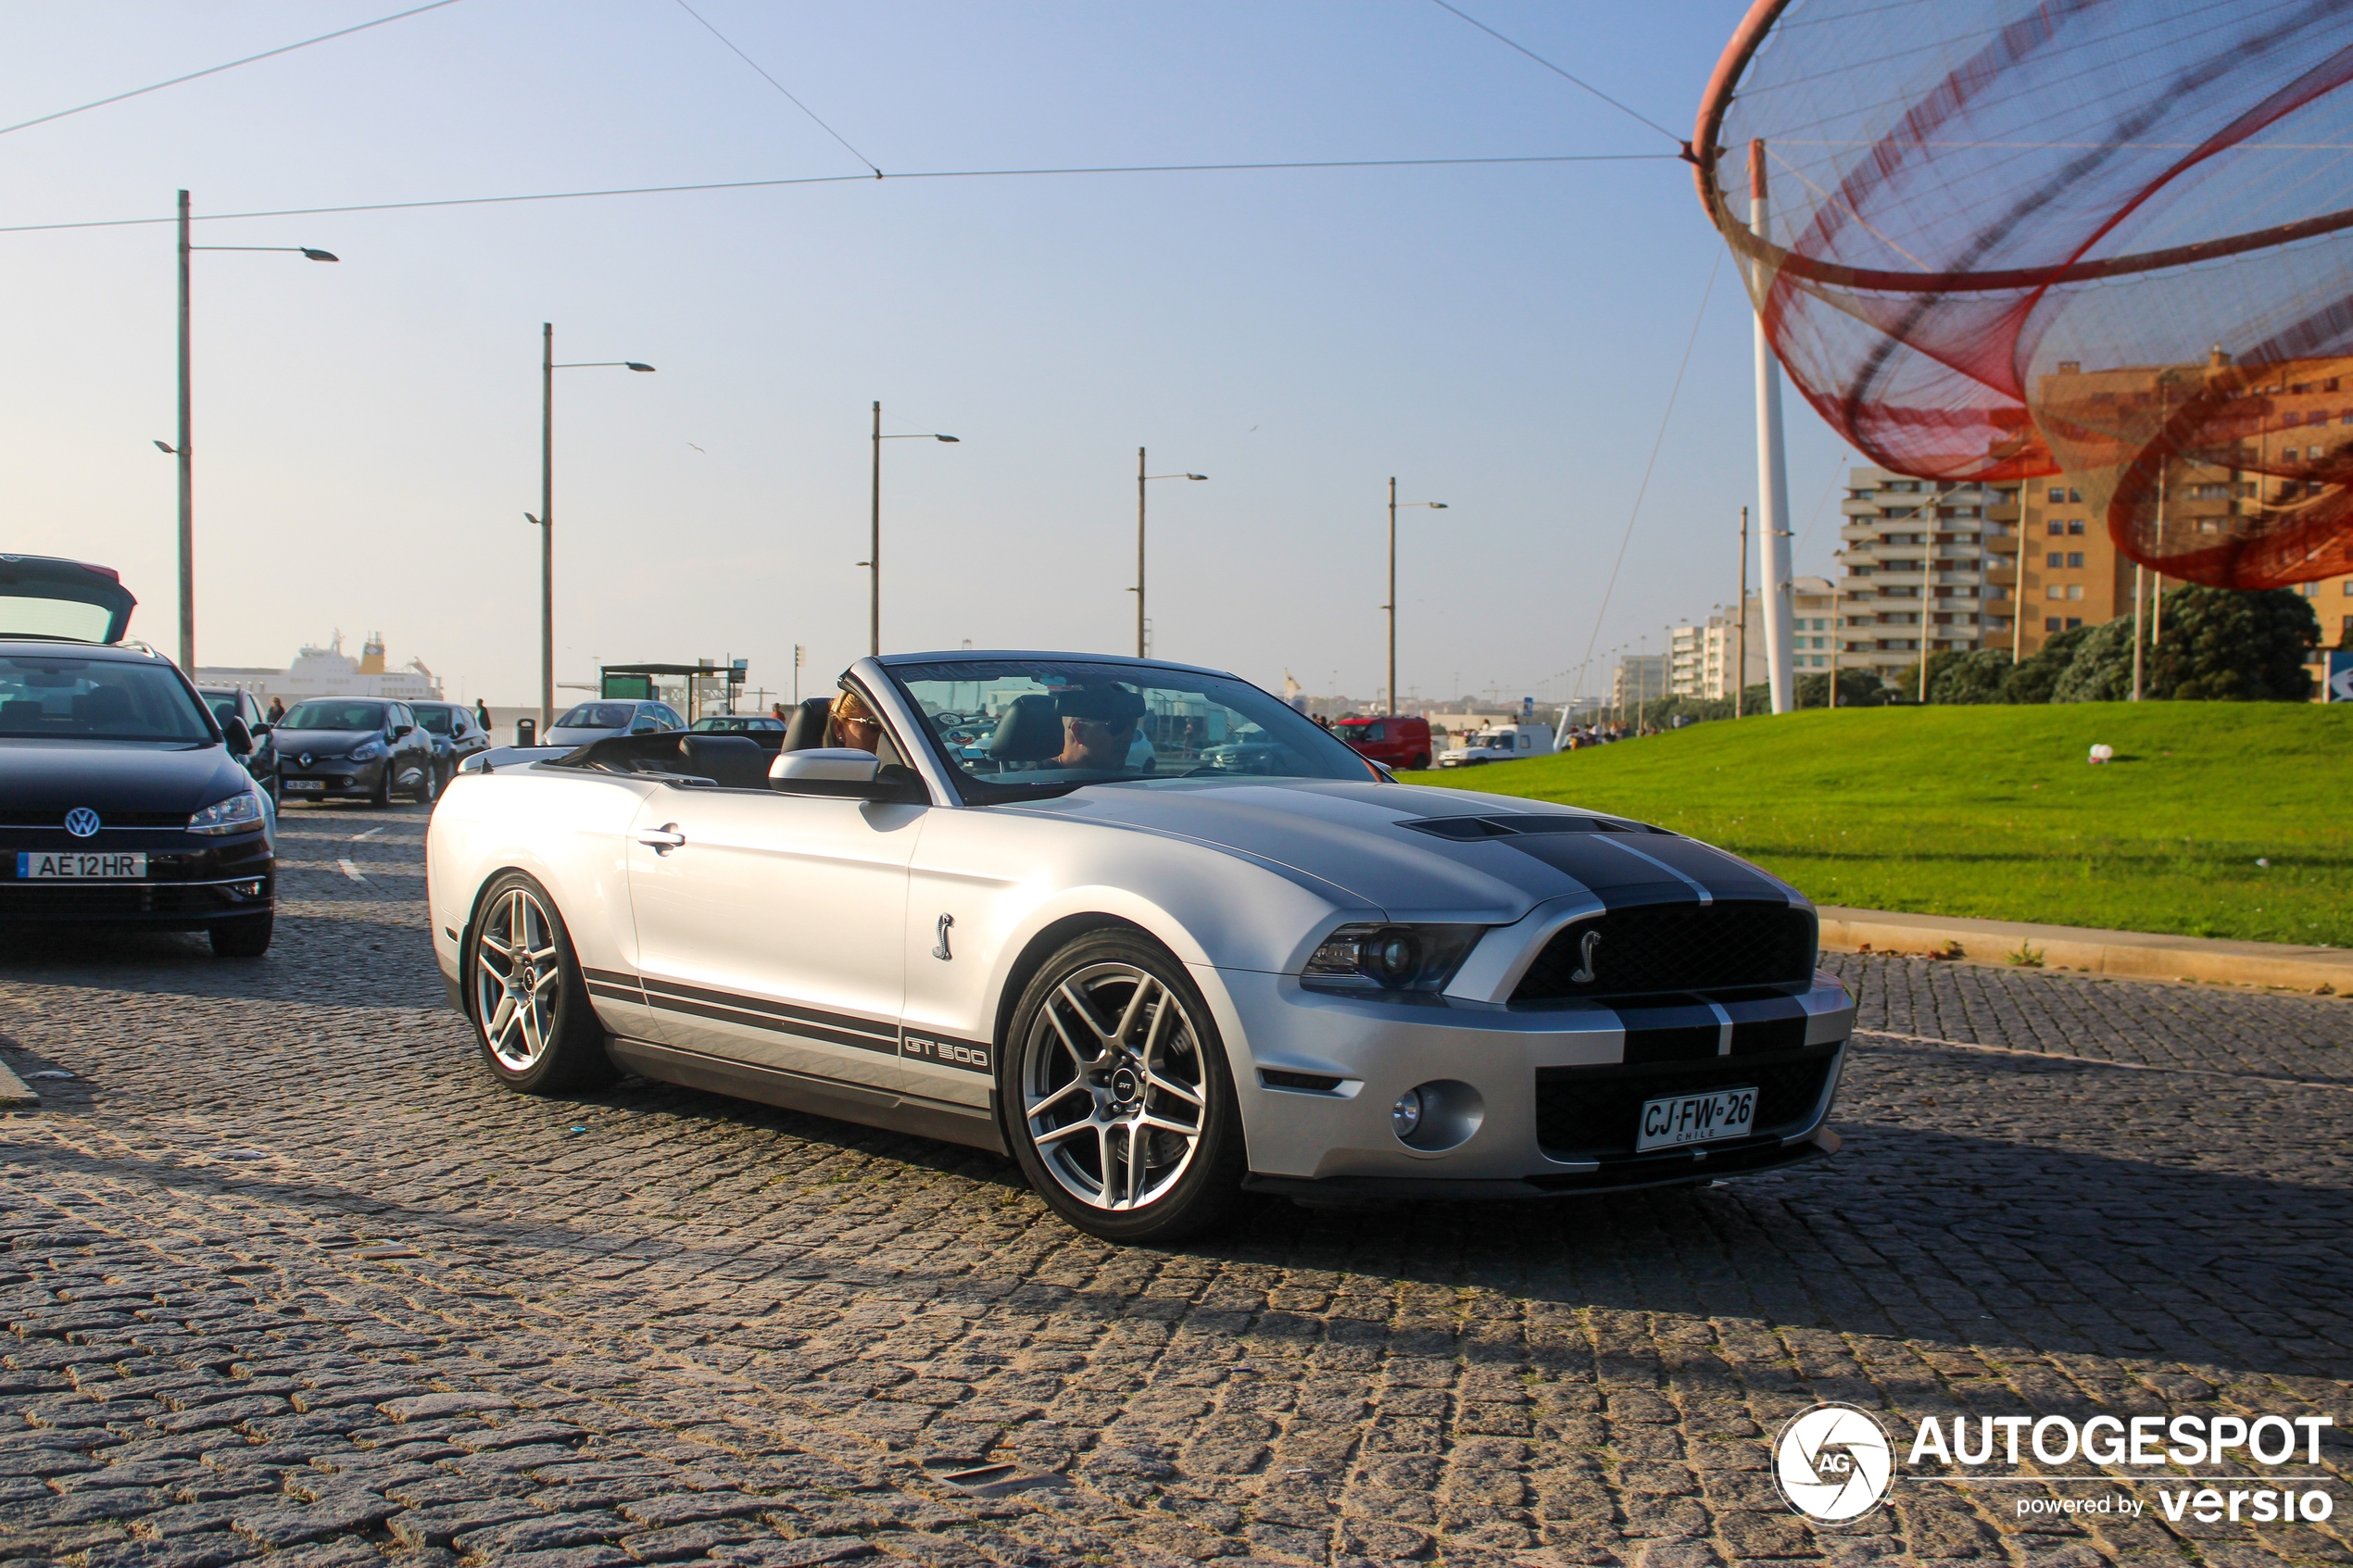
770 927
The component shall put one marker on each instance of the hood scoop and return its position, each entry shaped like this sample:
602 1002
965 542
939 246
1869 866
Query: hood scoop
1470 829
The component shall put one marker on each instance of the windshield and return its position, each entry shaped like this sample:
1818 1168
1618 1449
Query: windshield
434 719
1015 727
103 698
336 716
597 716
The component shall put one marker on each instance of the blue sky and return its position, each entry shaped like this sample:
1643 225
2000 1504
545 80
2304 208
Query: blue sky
1503 339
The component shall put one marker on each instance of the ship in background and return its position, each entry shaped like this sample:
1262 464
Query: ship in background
330 672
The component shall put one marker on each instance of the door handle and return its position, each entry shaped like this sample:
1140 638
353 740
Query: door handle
661 840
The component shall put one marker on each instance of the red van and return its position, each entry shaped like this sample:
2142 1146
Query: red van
1399 740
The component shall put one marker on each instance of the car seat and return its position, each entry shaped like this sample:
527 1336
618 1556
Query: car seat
730 762
806 731
1030 731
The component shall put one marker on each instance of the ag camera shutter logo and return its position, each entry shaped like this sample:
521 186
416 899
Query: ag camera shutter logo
1832 1462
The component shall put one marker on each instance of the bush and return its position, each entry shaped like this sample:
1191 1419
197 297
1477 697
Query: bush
2221 645
1976 676
2101 667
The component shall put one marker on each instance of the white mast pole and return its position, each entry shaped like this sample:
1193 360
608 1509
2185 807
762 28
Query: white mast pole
1773 474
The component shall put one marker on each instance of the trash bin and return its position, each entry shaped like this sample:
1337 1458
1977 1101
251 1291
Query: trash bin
526 731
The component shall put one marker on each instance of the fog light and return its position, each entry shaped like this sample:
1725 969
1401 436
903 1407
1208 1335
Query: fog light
1406 1114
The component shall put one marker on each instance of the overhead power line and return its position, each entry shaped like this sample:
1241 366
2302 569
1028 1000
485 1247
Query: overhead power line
779 86
216 70
1643 489
840 179
1578 81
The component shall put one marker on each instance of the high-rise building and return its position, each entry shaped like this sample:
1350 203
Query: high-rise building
1704 654
1640 678
1917 569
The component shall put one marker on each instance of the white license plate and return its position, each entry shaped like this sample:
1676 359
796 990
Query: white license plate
1721 1114
305 786
76 865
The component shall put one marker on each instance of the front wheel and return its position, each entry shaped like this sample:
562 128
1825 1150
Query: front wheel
1118 1103
530 1006
245 938
382 799
428 785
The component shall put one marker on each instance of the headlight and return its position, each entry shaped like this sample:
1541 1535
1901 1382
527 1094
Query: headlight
367 751
1390 958
234 815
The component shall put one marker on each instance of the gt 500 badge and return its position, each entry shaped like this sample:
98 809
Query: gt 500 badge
947 1053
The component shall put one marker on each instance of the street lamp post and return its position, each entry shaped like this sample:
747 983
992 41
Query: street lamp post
184 451
1391 605
1143 479
874 562
546 521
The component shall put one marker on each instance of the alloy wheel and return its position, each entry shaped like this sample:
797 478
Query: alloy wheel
1113 1087
517 980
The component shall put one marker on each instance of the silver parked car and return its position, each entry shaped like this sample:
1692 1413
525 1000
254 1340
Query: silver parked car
612 716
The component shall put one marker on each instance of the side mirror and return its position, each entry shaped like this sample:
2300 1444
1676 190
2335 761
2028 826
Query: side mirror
400 730
239 738
259 731
844 773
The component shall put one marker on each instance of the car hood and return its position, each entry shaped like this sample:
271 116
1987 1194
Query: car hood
44 776
319 742
1493 858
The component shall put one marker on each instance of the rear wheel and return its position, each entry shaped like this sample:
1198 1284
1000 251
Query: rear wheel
1118 1102
245 938
1419 762
532 1015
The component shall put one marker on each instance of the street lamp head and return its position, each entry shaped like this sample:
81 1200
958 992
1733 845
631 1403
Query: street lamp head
167 448
530 519
635 366
1438 506
950 439
1196 476
319 255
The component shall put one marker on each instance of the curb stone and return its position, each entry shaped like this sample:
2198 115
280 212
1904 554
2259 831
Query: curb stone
2136 954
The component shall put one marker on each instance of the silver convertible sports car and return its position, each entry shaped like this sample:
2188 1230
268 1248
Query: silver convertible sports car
1146 930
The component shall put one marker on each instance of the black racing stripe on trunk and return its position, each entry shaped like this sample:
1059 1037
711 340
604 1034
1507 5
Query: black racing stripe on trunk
656 990
773 1023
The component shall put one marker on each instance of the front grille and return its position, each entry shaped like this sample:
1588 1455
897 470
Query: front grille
1592 1112
1675 948
57 819
32 900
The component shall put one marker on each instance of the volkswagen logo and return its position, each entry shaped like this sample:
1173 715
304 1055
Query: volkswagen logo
1833 1462
81 821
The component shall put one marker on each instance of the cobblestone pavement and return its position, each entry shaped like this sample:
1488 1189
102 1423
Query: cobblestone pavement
282 1273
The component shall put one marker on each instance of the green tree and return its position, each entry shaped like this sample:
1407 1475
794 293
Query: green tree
1856 688
2225 645
2102 668
1974 676
2033 679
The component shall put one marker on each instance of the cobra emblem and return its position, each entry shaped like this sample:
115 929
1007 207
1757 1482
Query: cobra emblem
81 821
1584 975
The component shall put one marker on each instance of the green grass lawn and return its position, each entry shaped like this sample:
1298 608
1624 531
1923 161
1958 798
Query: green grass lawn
1993 812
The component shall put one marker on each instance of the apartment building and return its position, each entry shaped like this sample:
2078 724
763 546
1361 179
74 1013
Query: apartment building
1640 678
1702 655
1922 565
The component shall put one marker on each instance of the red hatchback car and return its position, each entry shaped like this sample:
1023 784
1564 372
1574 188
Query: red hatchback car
1398 741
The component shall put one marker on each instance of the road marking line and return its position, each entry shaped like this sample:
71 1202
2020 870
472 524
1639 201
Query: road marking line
371 833
2106 1061
351 871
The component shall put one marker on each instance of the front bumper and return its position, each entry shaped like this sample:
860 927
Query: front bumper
1528 1100
331 778
192 882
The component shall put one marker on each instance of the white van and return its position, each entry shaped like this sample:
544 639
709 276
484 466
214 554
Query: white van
1500 742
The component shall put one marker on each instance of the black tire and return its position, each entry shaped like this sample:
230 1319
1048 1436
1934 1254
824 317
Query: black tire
382 799
556 1045
428 784
1145 1068
247 938
1418 763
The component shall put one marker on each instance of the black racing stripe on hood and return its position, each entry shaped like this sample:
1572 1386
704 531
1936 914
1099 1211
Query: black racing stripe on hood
1616 878
1721 874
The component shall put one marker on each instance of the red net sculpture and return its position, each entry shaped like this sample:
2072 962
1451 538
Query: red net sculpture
2003 240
